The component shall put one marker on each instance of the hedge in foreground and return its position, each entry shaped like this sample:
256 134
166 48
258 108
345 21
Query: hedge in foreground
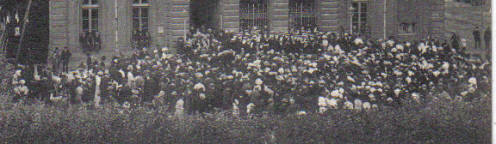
444 121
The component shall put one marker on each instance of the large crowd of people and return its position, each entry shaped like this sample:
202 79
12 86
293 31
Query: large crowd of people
254 72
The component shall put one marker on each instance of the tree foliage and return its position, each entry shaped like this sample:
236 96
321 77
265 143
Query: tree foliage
34 48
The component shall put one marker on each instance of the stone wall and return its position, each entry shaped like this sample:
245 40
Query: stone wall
58 24
462 18
230 15
178 20
329 15
279 15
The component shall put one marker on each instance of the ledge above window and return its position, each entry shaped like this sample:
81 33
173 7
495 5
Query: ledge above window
407 34
141 5
90 6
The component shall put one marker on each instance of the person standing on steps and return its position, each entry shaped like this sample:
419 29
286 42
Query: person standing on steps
89 62
56 59
487 38
454 42
477 37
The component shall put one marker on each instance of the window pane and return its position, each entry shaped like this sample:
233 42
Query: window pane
86 2
94 19
136 1
144 1
135 12
355 18
136 23
94 25
85 18
363 17
144 22
355 7
94 13
85 25
144 12
363 7
94 1
85 13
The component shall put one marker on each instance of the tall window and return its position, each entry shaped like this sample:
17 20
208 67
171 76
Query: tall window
140 23
253 13
90 38
90 16
302 14
359 17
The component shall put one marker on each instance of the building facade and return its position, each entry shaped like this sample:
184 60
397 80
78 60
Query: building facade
122 24
462 17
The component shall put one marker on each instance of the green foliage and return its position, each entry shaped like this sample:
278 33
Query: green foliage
443 121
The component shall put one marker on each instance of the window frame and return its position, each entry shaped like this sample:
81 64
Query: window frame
254 15
140 31
140 6
91 8
302 13
360 14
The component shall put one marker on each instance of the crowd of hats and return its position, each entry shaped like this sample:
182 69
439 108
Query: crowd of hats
307 71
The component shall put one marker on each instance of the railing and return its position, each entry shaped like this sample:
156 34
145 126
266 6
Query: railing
141 40
90 41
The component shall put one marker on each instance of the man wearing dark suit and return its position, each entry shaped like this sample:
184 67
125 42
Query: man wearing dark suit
477 37
66 55
487 38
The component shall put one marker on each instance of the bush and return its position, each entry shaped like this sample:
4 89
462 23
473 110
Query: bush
438 122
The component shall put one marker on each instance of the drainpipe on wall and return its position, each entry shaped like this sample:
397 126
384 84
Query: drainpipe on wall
184 27
482 15
116 26
351 18
384 27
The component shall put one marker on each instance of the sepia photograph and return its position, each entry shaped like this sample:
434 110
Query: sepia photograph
246 71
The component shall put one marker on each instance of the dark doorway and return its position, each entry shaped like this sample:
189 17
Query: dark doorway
205 13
